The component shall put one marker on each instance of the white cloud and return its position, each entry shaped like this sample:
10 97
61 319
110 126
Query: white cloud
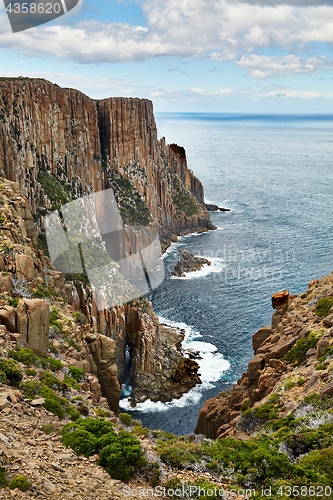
213 29
265 67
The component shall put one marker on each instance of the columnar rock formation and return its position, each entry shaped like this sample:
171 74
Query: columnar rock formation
57 145
45 130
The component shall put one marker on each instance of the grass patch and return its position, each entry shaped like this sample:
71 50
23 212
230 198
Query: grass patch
323 306
20 482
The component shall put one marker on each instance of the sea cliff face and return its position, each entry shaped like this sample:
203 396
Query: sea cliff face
49 135
57 145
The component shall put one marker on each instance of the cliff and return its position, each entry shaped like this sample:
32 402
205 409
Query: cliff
292 362
57 145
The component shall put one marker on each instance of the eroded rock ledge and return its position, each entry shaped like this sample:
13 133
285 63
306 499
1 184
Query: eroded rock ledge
285 352
189 263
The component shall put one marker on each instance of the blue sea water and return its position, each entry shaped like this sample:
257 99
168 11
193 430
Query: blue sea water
275 174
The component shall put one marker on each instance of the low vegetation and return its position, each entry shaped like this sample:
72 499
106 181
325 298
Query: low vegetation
323 306
119 453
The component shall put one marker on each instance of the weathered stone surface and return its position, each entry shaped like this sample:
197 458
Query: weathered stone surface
260 336
327 391
328 321
255 366
280 300
32 322
282 347
122 129
7 318
25 267
322 344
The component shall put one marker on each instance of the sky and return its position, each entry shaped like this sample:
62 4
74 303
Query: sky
259 56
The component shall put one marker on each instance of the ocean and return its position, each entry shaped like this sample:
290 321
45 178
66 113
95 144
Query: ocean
275 174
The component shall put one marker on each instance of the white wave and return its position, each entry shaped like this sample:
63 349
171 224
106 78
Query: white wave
211 367
217 265
171 249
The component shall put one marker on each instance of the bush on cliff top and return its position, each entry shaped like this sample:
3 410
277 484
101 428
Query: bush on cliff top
120 454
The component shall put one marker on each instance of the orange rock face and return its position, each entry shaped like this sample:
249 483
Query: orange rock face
280 299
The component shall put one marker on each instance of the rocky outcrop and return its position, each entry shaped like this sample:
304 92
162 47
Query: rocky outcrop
295 321
32 323
189 263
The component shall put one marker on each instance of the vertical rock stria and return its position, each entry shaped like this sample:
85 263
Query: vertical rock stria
58 145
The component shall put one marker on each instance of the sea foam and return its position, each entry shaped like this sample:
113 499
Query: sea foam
211 367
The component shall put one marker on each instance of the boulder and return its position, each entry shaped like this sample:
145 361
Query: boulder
260 336
321 346
282 348
328 321
32 322
7 318
280 300
255 366
25 266
327 391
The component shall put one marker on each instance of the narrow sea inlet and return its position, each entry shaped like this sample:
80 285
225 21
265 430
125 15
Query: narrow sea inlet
275 174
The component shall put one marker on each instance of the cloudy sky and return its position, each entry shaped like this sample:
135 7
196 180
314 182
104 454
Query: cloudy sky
186 55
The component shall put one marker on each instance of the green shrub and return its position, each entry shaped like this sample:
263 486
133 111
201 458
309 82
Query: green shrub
323 306
30 372
23 355
73 413
12 301
321 461
245 406
20 482
303 296
71 382
179 454
81 441
297 353
326 353
76 373
50 380
125 418
12 371
139 430
119 453
57 192
49 428
80 318
102 413
122 457
51 363
3 480
31 388
54 407
269 410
